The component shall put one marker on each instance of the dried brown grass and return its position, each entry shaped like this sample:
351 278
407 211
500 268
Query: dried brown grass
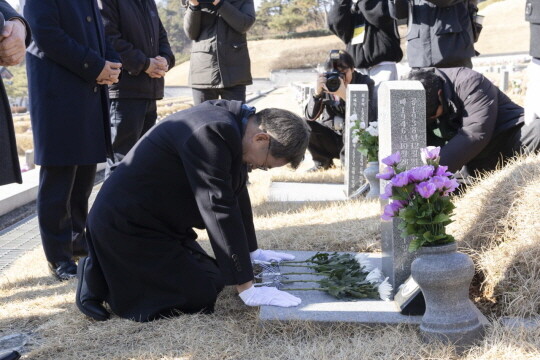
33 303
497 223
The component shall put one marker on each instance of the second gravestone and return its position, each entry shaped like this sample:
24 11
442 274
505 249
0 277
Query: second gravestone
357 110
402 127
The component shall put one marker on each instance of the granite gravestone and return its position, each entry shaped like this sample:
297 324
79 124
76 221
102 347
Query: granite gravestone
357 110
402 127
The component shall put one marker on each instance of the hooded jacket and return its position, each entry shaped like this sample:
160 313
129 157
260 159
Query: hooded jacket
219 53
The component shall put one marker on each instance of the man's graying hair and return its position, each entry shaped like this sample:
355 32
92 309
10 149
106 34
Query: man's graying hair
290 134
432 84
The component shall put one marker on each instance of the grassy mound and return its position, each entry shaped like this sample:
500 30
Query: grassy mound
497 224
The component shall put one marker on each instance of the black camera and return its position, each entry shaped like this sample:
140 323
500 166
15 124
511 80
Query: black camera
334 76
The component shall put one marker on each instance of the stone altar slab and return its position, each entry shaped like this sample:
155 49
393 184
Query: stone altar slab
318 306
287 191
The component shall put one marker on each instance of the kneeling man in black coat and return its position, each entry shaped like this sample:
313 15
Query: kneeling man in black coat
189 171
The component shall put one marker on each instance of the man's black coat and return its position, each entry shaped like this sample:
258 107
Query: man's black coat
9 160
135 31
186 172
478 119
69 111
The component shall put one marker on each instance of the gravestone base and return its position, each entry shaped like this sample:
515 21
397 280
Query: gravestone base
318 306
287 191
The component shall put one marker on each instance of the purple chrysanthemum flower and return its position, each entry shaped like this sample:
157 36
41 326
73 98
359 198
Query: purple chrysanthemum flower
440 182
387 192
392 160
386 174
430 153
392 209
426 189
441 170
420 173
401 179
450 185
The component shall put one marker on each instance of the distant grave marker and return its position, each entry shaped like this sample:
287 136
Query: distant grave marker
357 109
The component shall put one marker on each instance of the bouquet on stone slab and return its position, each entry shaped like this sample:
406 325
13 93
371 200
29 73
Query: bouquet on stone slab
343 275
366 137
420 197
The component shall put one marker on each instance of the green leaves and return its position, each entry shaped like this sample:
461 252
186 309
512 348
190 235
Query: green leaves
345 277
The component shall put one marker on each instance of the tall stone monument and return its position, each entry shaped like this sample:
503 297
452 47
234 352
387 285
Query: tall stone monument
357 110
402 127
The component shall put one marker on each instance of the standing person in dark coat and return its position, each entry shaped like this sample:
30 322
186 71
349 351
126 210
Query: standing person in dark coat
13 41
219 66
325 111
532 103
189 171
476 124
371 36
69 66
135 31
441 32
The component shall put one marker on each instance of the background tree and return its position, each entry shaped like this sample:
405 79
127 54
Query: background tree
171 13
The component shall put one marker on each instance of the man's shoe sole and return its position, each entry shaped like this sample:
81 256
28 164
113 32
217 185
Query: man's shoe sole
80 275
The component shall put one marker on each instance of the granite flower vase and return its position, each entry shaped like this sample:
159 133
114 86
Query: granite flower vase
444 275
370 173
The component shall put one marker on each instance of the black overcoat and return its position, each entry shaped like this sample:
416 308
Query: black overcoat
69 111
9 161
478 117
186 172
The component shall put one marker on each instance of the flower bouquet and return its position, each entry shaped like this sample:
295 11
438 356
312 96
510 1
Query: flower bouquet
342 276
420 197
367 139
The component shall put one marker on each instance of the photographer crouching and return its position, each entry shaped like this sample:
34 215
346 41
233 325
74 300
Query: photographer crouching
325 110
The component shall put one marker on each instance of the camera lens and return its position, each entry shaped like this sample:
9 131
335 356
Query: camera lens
333 83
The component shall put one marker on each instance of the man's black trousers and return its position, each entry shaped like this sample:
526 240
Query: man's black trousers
324 144
130 119
62 206
237 92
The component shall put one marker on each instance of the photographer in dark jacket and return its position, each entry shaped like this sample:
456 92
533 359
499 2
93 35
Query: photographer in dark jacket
476 124
370 34
134 29
328 109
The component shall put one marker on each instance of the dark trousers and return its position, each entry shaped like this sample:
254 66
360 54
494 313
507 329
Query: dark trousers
62 207
324 144
130 119
237 92
198 279
524 139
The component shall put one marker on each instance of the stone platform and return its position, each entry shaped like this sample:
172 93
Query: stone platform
287 191
318 306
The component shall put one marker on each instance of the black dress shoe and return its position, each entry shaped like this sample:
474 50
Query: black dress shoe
90 307
10 355
63 270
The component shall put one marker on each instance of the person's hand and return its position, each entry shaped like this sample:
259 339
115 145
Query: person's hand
257 296
320 87
110 73
216 2
194 2
157 67
12 43
269 255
